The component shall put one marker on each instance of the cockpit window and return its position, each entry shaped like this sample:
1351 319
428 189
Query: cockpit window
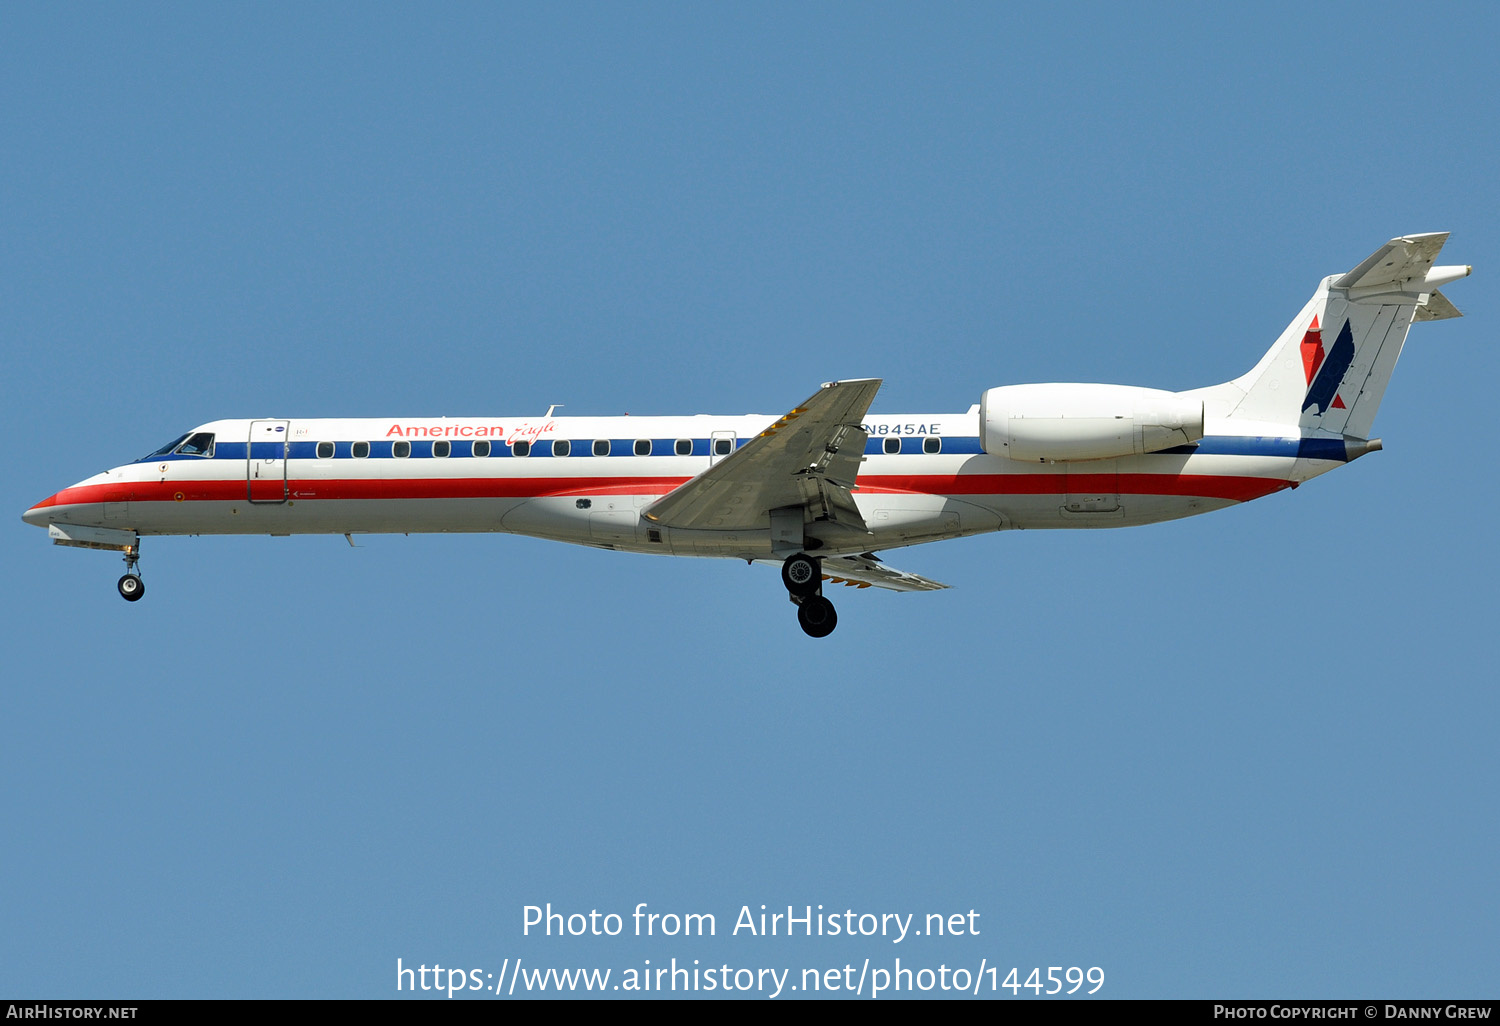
164 450
200 444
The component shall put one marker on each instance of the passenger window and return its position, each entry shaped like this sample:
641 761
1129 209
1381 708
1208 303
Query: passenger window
481 449
892 446
361 450
201 444
401 450
562 447
442 449
723 446
325 450
601 447
683 447
932 446
520 448
643 447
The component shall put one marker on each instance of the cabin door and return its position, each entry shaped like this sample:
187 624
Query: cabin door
265 463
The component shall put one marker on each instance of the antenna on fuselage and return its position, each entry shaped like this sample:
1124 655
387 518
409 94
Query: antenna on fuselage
552 407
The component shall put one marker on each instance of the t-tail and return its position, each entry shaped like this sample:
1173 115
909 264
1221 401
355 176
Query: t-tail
1328 370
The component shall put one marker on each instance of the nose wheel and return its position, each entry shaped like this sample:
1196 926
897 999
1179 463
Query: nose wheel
803 576
131 586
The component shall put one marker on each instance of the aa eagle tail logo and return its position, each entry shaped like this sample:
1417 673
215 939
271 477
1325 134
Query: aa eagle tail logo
1325 372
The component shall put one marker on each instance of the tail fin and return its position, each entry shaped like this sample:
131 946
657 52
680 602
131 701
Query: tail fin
1329 369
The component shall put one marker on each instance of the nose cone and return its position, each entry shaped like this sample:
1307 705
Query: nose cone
78 504
39 514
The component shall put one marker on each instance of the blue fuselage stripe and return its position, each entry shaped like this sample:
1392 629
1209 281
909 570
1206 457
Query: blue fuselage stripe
582 448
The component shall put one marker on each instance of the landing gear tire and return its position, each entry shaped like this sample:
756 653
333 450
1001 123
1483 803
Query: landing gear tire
131 588
802 575
817 617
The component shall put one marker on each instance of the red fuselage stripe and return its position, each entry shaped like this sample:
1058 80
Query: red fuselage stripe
1206 486
1200 485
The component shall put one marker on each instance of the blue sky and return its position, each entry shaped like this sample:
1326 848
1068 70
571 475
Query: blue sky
1245 755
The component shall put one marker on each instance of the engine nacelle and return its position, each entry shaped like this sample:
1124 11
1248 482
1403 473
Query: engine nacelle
1085 422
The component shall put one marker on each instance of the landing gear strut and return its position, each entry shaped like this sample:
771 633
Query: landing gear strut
131 587
803 576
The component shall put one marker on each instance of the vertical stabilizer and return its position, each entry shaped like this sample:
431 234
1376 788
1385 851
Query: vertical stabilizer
1328 371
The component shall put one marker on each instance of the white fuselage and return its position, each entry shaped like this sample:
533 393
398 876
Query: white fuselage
817 490
586 479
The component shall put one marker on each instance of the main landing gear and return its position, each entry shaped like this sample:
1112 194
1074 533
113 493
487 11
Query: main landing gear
131 586
803 576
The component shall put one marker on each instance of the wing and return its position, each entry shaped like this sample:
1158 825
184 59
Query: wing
808 459
864 571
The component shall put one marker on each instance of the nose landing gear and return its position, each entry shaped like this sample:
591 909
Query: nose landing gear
803 576
131 586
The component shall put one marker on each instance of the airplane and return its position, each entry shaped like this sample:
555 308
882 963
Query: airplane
816 491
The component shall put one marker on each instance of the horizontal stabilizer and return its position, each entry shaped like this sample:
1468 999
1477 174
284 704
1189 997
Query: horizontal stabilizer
1410 256
1437 308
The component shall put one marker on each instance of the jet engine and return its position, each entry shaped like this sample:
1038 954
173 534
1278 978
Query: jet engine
1085 422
